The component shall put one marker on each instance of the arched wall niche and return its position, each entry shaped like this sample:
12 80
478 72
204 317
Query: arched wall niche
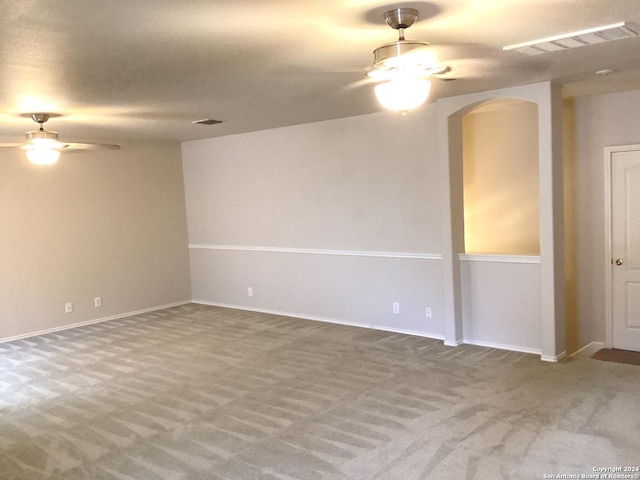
544 282
500 178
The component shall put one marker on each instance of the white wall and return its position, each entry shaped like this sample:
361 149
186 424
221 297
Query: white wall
108 224
335 204
369 184
338 220
334 220
600 121
501 305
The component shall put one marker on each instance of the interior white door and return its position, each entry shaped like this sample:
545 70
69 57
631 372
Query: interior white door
625 248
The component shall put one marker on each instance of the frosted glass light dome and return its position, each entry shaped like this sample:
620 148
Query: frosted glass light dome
42 152
403 94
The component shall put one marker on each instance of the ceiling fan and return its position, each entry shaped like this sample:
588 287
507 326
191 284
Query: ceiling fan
43 147
402 68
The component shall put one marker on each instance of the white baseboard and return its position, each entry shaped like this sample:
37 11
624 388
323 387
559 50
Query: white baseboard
553 359
502 346
305 316
90 322
592 347
588 350
383 328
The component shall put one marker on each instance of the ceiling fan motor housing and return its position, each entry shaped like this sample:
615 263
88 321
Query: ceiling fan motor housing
394 49
388 58
399 19
40 135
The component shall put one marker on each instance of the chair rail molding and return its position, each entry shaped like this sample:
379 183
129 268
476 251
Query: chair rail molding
314 251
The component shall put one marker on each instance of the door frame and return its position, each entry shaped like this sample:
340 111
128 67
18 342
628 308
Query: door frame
608 217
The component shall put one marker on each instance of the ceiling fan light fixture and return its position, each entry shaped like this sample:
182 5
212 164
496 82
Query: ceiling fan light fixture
42 147
403 94
42 153
403 66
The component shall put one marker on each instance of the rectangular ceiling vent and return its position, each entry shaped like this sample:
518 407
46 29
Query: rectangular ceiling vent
592 36
207 121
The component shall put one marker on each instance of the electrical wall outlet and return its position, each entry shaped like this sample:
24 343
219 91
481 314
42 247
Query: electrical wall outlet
68 307
250 292
97 302
396 308
428 312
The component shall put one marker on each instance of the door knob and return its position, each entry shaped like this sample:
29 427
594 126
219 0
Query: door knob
619 261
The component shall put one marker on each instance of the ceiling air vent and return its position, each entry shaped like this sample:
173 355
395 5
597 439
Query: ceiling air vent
592 36
207 121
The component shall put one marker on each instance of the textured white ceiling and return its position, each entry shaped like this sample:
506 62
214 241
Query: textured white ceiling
121 70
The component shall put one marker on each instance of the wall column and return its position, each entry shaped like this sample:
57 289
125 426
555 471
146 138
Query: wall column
552 226
451 169
548 97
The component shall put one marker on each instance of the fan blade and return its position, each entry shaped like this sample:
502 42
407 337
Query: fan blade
89 146
463 60
12 145
67 146
359 83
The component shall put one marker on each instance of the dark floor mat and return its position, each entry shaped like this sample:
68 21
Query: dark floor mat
618 356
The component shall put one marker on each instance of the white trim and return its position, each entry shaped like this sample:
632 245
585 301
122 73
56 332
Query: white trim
315 251
588 350
608 277
320 319
553 359
502 346
91 322
608 247
490 257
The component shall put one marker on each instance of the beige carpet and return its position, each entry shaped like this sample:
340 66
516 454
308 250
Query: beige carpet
199 392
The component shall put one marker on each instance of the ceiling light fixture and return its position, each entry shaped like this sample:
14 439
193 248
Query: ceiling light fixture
402 66
591 36
42 147
403 94
42 153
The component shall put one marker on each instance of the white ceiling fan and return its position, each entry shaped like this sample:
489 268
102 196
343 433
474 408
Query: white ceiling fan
402 68
43 147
